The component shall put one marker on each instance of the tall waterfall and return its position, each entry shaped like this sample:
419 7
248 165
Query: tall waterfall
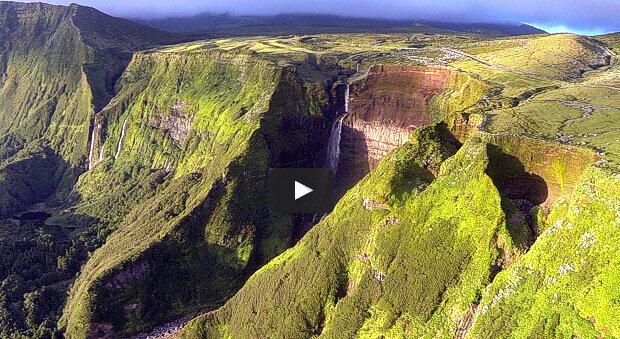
120 141
346 97
92 148
333 147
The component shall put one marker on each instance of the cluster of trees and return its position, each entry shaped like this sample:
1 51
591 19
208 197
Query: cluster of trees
37 264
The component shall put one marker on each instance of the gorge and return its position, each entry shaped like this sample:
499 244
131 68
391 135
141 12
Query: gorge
476 185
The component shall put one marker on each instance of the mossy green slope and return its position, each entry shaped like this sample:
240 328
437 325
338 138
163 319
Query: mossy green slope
558 56
566 285
58 66
44 92
403 255
207 220
359 273
557 87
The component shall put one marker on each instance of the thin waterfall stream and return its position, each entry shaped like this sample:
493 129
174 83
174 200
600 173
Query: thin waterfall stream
92 147
120 140
333 147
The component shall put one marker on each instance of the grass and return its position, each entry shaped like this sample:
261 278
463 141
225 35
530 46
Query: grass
569 267
191 202
559 56
365 257
202 122
377 277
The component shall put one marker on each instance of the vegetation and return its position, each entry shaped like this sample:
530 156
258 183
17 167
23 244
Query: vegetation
133 177
366 256
364 287
571 266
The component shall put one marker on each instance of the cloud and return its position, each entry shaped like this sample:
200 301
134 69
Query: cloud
575 15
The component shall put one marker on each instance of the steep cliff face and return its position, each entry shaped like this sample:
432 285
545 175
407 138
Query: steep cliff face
388 104
44 92
537 170
399 219
212 122
412 213
59 67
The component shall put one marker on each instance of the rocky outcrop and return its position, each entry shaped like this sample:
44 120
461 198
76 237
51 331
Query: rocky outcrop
396 95
176 122
121 279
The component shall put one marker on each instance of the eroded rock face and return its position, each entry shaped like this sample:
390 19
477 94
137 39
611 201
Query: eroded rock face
384 109
396 95
176 122
121 279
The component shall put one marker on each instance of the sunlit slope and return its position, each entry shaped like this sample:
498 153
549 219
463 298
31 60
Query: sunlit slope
44 92
559 56
403 254
537 96
566 285
369 270
58 66
612 40
201 130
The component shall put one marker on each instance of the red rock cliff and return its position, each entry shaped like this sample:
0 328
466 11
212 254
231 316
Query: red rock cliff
384 108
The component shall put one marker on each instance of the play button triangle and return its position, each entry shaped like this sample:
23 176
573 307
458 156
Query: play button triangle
301 190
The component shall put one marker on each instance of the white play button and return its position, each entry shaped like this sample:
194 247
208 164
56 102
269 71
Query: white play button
301 190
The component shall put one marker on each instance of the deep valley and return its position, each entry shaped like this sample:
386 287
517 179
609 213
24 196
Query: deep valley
477 179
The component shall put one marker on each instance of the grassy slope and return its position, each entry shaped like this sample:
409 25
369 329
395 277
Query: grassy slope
347 297
566 285
559 56
208 221
165 217
53 101
544 99
58 65
351 274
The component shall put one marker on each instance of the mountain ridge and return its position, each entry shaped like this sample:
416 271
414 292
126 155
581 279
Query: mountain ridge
223 24
464 157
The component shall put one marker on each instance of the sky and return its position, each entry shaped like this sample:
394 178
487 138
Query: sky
579 16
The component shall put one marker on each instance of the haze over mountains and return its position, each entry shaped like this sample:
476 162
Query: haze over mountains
575 16
312 24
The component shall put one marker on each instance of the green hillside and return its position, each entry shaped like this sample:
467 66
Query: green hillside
482 196
211 209
404 267
365 254
58 67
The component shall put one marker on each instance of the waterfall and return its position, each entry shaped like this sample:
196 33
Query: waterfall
333 147
346 97
73 189
120 141
92 147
